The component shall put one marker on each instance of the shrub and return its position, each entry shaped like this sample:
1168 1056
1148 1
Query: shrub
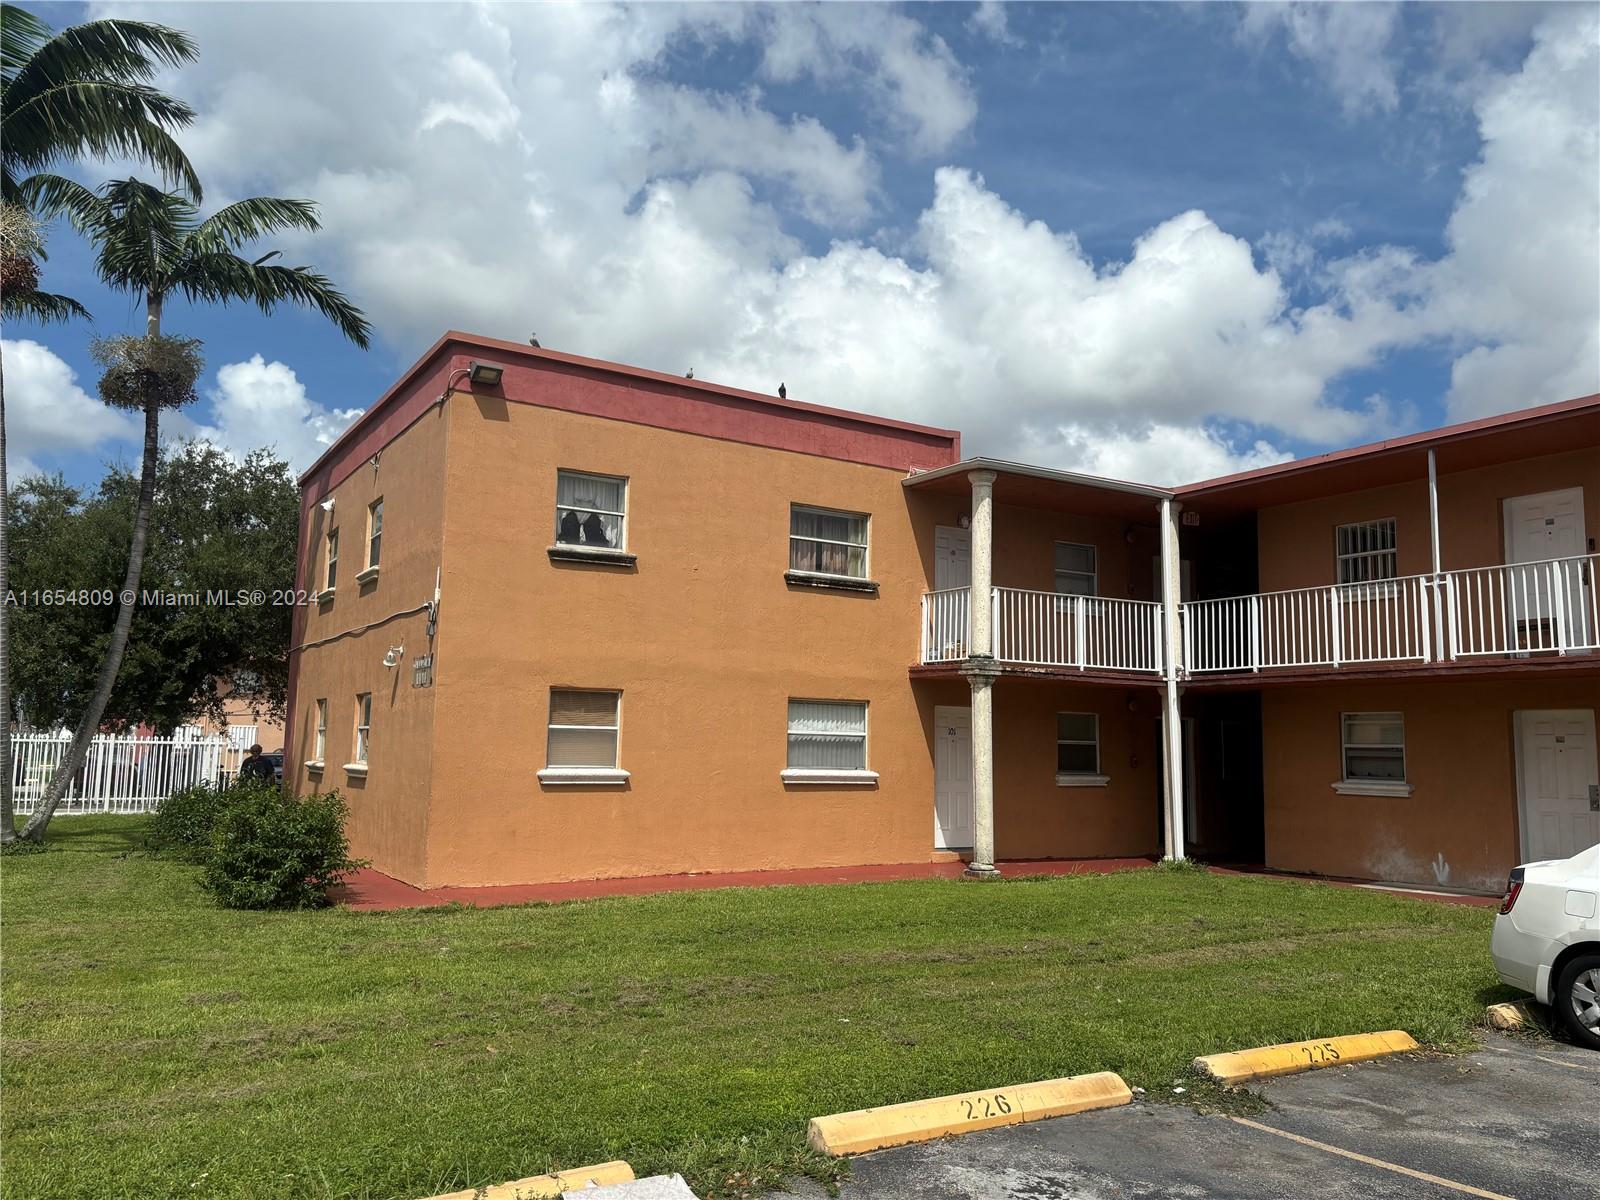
270 850
184 821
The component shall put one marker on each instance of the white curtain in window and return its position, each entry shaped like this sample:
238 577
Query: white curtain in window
832 543
828 735
589 509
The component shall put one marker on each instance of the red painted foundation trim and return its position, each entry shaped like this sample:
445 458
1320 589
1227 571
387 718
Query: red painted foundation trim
371 890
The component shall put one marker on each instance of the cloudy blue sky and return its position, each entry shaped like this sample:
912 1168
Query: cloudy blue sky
1153 241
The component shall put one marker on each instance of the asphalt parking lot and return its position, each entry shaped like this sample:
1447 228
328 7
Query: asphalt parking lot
1517 1118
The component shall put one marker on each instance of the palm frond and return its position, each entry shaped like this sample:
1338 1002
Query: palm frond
254 218
98 119
221 276
126 51
24 304
21 33
52 196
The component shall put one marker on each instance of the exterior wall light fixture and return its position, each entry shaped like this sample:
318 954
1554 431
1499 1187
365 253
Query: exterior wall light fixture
485 374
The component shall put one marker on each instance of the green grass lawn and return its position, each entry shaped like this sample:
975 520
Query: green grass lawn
156 1045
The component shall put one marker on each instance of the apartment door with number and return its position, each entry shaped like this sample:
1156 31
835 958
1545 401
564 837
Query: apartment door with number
1551 602
952 564
1559 783
952 778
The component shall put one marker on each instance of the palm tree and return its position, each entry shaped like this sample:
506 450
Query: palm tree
83 92
155 245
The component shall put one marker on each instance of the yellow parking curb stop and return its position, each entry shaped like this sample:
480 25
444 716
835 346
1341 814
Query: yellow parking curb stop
547 1187
943 1116
1241 1066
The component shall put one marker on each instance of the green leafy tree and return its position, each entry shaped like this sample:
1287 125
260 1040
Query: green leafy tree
218 526
82 93
155 245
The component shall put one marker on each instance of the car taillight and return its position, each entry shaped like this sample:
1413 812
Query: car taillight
1513 890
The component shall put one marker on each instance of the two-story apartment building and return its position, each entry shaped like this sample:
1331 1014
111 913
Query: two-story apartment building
572 619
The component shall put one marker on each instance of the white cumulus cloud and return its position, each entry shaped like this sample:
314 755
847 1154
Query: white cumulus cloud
257 404
48 413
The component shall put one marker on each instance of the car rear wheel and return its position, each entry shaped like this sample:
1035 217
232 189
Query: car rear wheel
1577 999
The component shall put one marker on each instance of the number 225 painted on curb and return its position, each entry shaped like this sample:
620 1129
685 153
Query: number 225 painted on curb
1325 1053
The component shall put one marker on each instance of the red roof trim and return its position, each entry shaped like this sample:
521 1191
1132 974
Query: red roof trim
1411 441
508 352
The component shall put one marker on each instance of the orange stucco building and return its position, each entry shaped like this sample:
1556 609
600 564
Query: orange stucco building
567 619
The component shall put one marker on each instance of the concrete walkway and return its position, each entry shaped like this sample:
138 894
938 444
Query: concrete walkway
373 890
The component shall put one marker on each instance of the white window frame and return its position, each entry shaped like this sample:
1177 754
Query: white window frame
863 776
865 545
319 734
1092 778
1057 572
362 742
1343 559
330 560
374 538
570 775
1346 786
622 518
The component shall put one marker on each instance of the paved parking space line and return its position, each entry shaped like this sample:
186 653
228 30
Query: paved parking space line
1558 1062
1464 1188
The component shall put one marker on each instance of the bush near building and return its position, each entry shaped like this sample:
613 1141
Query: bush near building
259 848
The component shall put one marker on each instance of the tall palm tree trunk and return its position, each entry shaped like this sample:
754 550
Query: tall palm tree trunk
8 816
72 762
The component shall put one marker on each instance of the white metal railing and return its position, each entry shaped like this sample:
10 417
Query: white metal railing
119 774
1054 630
1549 607
946 624
1047 629
1387 621
1524 608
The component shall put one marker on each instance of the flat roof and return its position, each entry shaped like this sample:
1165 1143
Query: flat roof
1043 487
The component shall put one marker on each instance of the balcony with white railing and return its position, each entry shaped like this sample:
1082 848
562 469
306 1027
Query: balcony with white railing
1514 611
1047 629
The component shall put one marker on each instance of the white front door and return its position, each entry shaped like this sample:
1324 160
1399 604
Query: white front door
952 557
952 778
1558 775
1540 528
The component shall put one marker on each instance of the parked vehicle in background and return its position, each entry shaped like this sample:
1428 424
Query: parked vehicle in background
275 757
1547 939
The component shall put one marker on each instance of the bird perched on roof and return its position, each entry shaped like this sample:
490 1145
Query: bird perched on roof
533 340
689 374
783 392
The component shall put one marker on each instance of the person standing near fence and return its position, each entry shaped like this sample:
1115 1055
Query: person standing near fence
255 765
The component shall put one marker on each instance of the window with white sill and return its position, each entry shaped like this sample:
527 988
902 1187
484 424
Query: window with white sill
1373 752
591 510
827 742
1078 750
581 742
823 541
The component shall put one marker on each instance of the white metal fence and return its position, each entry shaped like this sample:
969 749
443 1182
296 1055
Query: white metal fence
119 774
946 625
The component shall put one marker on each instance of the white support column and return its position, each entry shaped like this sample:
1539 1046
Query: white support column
982 596
1436 588
981 675
1171 713
982 864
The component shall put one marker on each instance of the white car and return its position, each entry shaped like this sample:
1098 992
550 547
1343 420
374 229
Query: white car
1547 939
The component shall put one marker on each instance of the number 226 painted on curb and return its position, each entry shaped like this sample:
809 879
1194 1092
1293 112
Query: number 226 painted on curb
981 1108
